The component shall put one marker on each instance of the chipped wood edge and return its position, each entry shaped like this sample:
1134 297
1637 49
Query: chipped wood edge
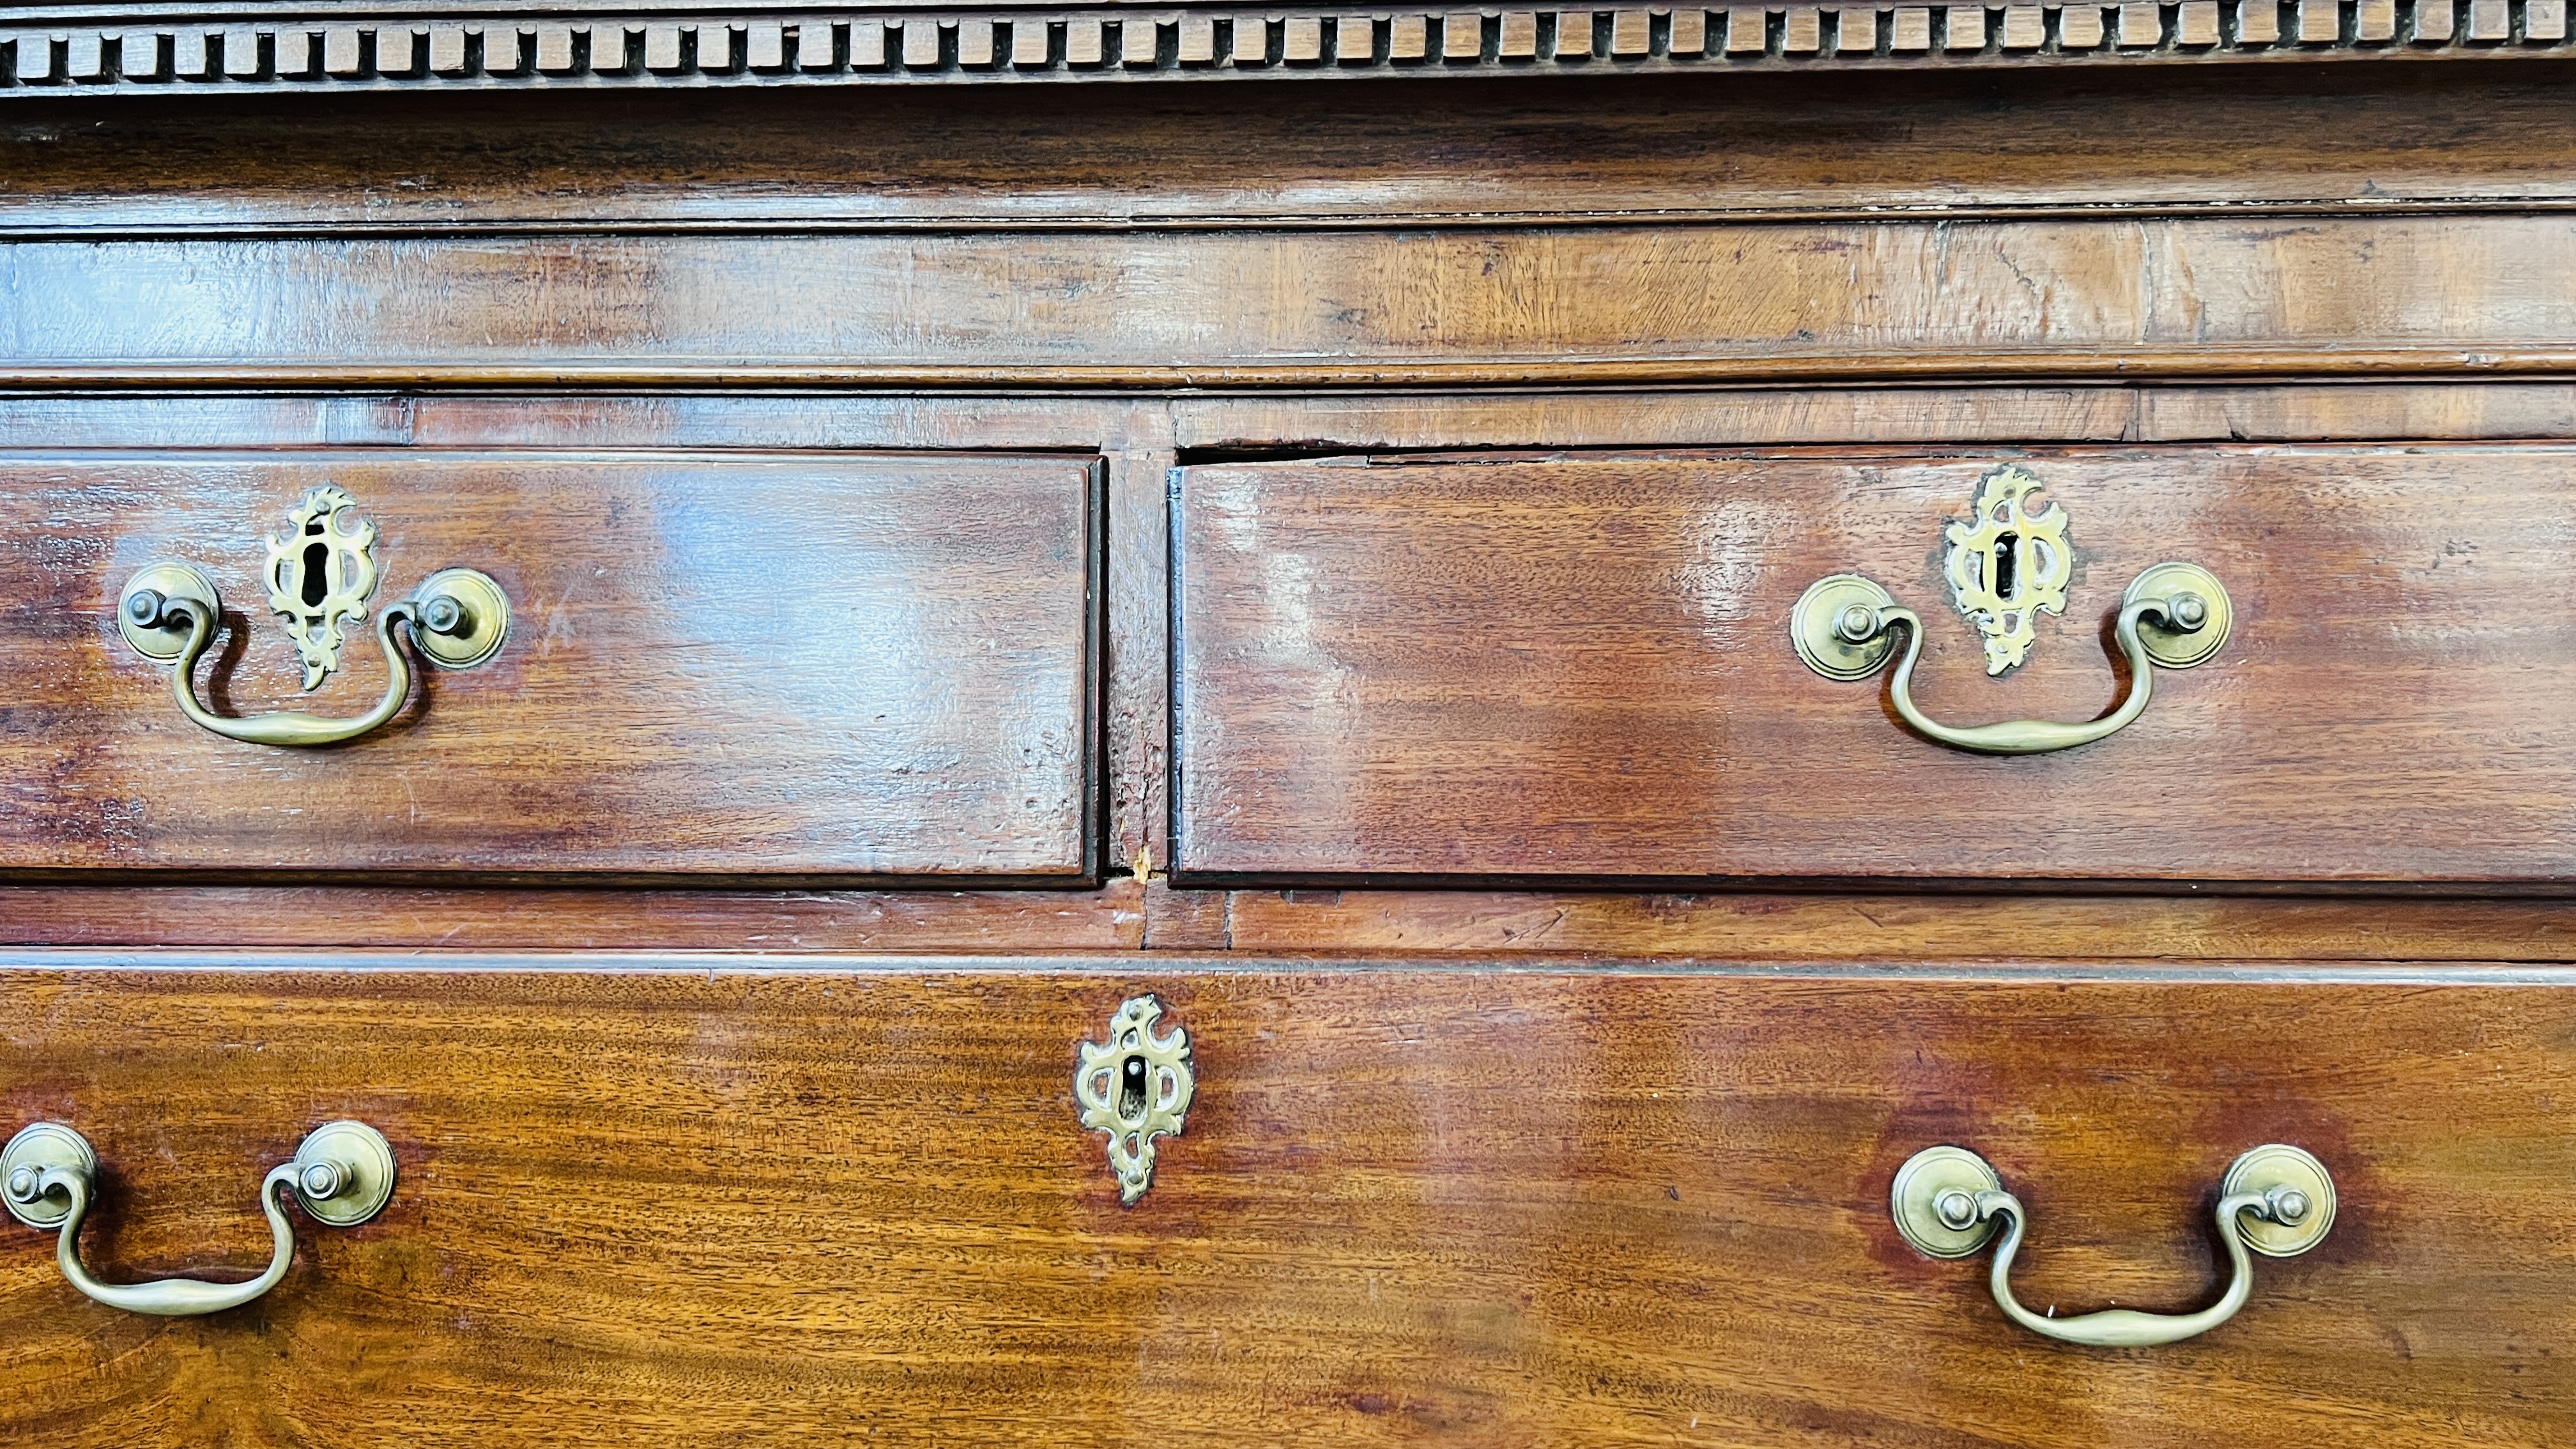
431 50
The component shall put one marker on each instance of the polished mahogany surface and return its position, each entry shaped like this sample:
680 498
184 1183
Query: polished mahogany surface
1720 301
1411 1207
1579 665
1472 154
716 959
736 665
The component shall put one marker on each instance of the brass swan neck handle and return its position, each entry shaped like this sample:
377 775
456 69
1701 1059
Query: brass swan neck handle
2020 736
167 1297
2174 615
149 608
169 611
2277 1200
342 1175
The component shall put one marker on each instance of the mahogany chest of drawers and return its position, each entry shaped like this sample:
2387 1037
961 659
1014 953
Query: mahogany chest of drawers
1770 725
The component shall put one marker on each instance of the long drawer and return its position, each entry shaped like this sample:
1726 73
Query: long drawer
1595 1207
1584 666
744 665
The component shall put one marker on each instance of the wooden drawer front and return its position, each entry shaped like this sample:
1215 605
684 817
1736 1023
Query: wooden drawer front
1410 1207
757 665
1581 667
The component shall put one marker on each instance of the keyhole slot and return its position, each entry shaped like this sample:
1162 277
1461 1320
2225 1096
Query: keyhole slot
1131 1090
317 565
2008 567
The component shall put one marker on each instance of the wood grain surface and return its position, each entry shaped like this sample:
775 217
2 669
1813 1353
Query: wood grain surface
1915 299
1579 666
532 918
1754 925
787 665
1217 424
1137 436
2373 138
1410 1208
1460 925
1528 1160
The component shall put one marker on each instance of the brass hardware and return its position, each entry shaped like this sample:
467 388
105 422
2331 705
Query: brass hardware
2175 615
457 619
1836 627
2196 628
342 1175
161 604
2276 1199
464 618
1135 1087
319 576
2007 565
28 1157
1927 1196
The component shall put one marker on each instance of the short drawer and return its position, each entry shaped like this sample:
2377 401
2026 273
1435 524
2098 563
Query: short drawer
1582 666
742 666
682 1205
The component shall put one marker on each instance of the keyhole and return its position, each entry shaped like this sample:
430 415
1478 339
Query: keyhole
1131 1090
317 560
2008 567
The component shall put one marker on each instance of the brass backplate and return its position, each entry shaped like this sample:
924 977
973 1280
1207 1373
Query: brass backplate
1135 1086
2173 648
487 618
2278 1165
177 583
319 576
37 1148
1923 1181
368 1161
2007 565
1812 627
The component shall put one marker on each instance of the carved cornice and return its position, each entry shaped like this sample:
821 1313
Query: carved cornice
140 51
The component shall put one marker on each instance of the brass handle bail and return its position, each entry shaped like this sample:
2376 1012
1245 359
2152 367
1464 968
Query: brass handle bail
169 613
321 572
342 1175
2276 1200
2174 615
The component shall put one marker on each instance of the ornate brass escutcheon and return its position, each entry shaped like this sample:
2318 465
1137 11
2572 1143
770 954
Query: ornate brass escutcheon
342 1175
320 575
2008 565
2005 567
2277 1200
1136 1087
